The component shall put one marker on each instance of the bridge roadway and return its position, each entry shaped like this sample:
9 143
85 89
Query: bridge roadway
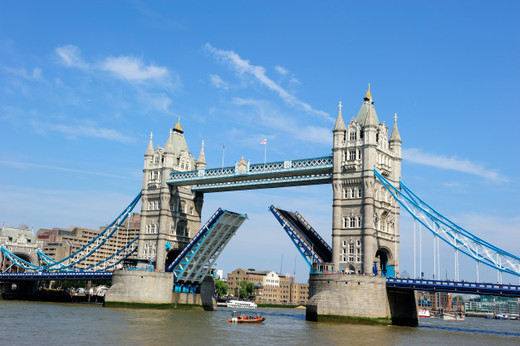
57 276
462 287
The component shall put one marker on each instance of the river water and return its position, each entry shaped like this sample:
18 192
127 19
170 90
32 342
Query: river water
30 323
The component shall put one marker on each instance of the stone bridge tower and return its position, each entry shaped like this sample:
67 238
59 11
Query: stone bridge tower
365 226
170 216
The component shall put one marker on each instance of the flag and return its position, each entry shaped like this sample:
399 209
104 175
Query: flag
264 141
223 146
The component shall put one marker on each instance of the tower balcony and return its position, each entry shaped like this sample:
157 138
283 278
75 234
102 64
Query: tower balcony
384 169
352 165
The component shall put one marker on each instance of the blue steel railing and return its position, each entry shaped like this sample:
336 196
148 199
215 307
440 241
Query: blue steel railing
56 276
482 288
246 171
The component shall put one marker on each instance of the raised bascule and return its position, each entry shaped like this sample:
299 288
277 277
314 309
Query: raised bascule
357 277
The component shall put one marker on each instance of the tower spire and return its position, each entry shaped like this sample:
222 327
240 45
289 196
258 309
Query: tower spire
368 95
178 127
340 125
395 136
149 150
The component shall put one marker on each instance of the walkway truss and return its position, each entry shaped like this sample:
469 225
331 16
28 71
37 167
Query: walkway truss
452 234
308 242
257 176
74 262
196 260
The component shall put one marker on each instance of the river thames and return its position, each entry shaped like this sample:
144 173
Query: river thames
29 323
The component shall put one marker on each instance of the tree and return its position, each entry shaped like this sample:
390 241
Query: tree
221 288
245 289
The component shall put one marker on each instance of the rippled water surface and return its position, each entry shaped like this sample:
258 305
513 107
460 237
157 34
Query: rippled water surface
31 323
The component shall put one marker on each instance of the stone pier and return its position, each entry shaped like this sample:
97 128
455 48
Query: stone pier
146 288
358 299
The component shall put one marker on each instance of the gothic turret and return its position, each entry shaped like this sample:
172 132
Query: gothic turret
395 137
201 162
149 149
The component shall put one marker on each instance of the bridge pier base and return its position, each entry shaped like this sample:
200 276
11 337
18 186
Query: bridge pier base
358 299
140 287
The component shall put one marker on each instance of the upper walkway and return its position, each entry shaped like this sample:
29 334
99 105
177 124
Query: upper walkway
257 176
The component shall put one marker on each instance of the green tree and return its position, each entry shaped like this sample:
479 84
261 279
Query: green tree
245 289
221 288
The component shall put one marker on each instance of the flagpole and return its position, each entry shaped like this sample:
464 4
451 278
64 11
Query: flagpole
265 153
223 152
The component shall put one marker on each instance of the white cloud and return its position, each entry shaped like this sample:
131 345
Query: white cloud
84 130
127 68
451 163
133 69
243 67
36 73
27 165
281 70
217 82
271 118
71 56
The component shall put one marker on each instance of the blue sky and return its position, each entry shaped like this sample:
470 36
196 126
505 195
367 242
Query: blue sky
84 83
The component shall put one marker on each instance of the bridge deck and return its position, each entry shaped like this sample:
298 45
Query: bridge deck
462 287
197 259
308 242
57 276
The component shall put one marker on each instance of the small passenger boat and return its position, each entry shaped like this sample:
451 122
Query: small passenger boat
240 304
243 318
452 316
424 313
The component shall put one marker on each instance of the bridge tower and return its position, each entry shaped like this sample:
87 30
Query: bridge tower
365 226
170 216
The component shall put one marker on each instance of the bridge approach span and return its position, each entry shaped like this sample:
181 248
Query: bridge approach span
463 287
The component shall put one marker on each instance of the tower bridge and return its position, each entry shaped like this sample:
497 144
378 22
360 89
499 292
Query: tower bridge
355 276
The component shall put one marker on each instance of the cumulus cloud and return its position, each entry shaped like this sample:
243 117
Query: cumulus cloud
451 163
127 68
133 69
244 68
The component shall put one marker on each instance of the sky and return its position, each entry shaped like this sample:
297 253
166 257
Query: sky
84 83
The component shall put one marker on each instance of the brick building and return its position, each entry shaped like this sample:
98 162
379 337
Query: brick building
270 287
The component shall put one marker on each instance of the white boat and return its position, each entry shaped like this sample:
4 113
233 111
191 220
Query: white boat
452 316
241 304
424 313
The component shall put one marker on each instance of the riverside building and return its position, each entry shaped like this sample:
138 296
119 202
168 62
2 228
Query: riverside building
59 243
270 287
